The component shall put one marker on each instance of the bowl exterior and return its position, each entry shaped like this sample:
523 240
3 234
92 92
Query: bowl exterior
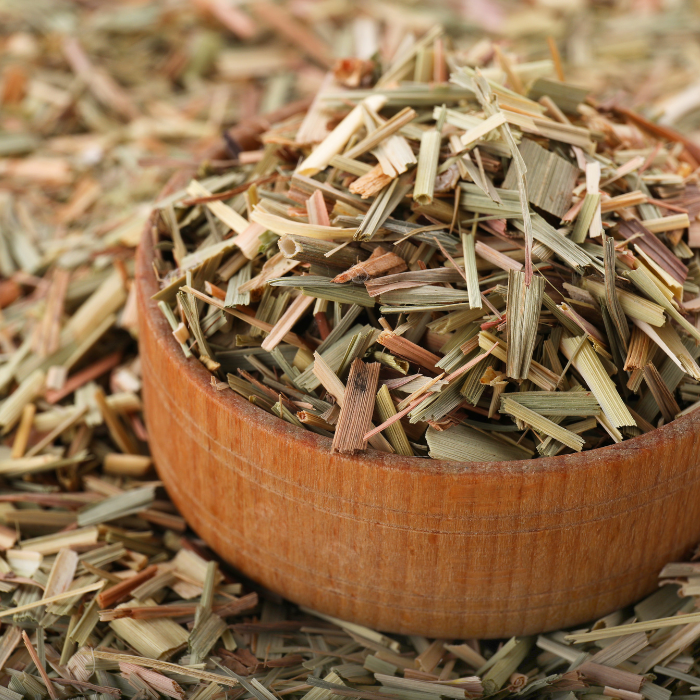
436 548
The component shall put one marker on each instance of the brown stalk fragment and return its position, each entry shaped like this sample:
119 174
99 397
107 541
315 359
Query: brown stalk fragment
378 264
613 677
412 352
356 412
653 247
664 398
119 591
639 350
370 184
614 307
39 666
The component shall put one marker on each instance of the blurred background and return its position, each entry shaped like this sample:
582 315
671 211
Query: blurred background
102 101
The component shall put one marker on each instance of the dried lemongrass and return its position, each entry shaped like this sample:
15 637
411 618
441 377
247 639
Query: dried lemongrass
382 207
522 310
426 687
335 141
427 166
106 299
405 348
613 303
546 403
616 678
538 374
40 667
295 311
52 599
127 465
621 650
442 247
205 635
68 290
164 666
669 341
319 287
311 250
230 217
53 543
356 412
117 506
283 226
374 138
350 165
470 271
463 443
62 573
116 428
154 639
584 220
632 305
395 433
543 425
490 104
551 179
505 262
12 407
589 365
663 397
501 670
10 639
380 264
647 285
152 680
667 223
19 444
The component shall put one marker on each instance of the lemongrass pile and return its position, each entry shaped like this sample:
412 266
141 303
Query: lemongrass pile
462 263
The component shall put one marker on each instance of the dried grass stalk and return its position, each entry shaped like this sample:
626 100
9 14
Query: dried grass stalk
356 412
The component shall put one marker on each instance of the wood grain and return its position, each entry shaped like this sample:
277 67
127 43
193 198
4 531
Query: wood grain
428 547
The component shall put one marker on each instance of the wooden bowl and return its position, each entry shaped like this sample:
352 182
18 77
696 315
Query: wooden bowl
443 549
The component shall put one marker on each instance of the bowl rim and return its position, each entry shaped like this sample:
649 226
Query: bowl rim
617 453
